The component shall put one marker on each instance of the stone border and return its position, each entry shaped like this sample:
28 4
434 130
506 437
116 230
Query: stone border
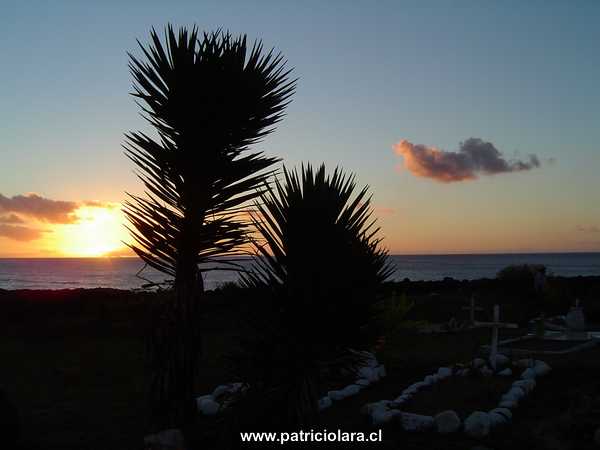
371 372
478 424
211 404
368 374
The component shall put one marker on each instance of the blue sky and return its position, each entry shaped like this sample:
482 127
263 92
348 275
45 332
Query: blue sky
521 75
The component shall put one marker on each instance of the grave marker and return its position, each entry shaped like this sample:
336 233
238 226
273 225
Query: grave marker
472 308
495 325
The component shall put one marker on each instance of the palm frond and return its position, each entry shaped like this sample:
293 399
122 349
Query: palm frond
209 97
318 266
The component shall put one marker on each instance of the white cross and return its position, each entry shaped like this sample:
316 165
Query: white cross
495 325
472 308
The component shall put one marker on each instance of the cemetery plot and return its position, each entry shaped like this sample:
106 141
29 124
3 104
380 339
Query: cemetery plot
463 396
553 336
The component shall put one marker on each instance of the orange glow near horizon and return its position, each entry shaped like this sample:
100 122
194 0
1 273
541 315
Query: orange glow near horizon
99 231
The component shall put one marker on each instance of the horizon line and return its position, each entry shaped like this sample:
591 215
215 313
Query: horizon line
554 252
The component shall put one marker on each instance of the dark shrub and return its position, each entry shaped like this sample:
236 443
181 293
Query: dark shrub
320 265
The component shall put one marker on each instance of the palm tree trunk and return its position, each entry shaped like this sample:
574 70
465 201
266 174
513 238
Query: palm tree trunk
189 287
175 350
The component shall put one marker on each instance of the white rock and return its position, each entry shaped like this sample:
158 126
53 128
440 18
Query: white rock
505 412
369 408
516 393
435 377
235 387
477 363
486 371
447 422
541 368
413 388
496 419
402 399
524 363
381 371
418 385
477 425
362 382
527 385
200 399
336 395
416 422
370 373
505 373
509 398
528 374
351 390
365 372
382 416
208 407
429 380
444 372
220 390
508 404
324 403
501 360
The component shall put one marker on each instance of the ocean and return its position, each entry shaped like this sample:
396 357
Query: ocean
121 273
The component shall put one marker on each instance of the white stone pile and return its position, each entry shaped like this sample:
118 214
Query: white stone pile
371 372
478 424
211 404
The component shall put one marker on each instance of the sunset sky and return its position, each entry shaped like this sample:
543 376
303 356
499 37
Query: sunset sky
475 123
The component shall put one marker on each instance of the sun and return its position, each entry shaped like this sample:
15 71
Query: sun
98 231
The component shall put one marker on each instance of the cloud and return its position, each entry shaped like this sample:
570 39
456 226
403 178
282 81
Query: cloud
11 218
20 233
588 229
474 157
40 208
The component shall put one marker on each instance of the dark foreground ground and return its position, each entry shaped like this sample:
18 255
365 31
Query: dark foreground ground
73 364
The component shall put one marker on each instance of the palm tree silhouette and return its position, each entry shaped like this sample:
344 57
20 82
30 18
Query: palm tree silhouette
209 98
319 264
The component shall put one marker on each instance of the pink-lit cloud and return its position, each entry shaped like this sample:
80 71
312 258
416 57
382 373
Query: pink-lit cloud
20 233
40 208
474 157
11 219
